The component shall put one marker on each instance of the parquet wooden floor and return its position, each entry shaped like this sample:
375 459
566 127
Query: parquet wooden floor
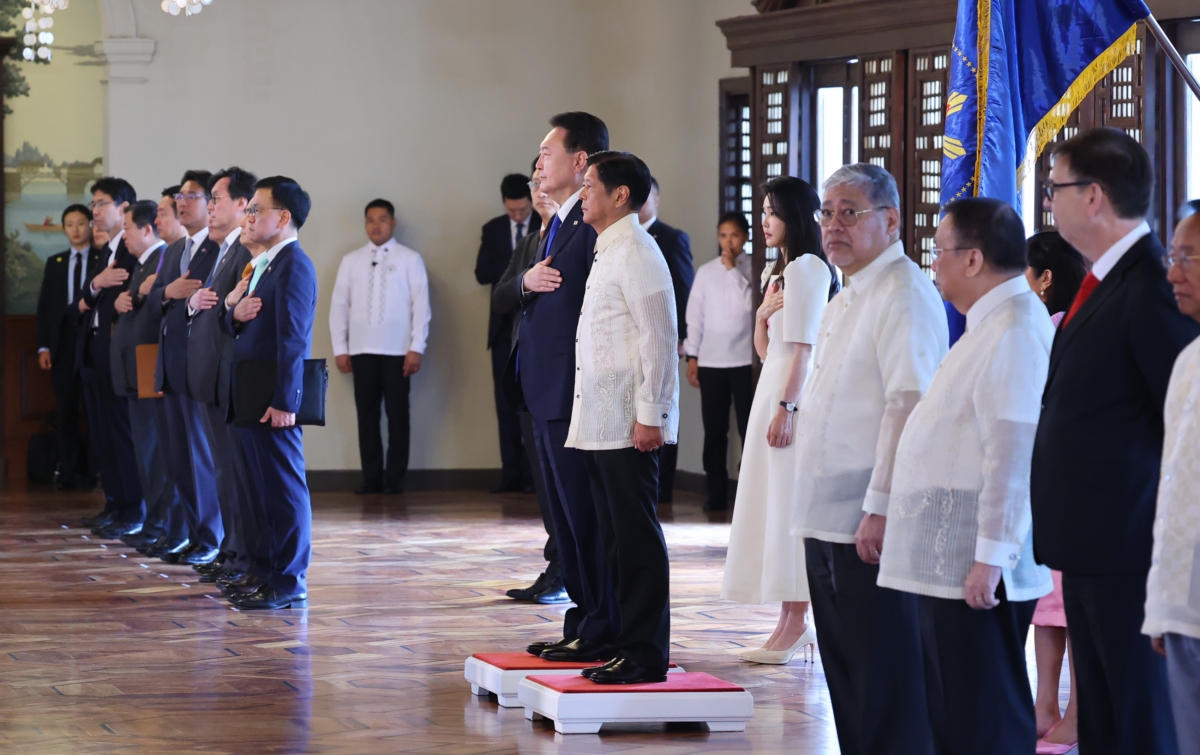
104 651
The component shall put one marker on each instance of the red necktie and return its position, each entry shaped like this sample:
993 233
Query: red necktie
1085 290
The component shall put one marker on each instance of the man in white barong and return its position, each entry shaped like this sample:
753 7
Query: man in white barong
958 534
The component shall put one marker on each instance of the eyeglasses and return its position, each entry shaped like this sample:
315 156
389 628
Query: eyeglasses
192 197
97 204
846 216
1052 187
215 197
255 210
937 251
533 185
1183 261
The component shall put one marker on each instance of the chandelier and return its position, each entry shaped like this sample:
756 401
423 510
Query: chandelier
38 36
186 7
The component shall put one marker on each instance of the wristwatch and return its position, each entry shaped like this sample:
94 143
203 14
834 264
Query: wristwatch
789 406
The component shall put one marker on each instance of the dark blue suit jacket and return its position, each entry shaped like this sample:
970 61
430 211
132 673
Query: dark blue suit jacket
282 331
171 372
210 349
677 249
102 304
544 355
1099 441
495 251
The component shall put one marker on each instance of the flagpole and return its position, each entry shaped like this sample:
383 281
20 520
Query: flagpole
1173 54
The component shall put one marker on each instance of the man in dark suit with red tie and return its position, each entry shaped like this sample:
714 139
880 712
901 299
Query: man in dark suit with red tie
500 237
1099 440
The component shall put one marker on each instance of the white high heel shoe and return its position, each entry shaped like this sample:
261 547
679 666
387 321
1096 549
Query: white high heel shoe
783 657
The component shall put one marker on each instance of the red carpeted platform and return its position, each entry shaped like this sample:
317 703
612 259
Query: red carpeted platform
685 682
500 673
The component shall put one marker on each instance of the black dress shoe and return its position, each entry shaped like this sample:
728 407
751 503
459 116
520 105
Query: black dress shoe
213 576
529 593
395 489
537 648
587 672
212 567
266 597
625 671
116 530
198 556
239 584
103 519
174 550
140 540
714 505
366 489
554 593
580 651
528 489
506 487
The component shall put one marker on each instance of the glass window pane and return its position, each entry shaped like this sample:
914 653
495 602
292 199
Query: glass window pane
830 131
854 125
1193 134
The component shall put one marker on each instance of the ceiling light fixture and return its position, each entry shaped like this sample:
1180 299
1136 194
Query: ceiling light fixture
38 36
186 7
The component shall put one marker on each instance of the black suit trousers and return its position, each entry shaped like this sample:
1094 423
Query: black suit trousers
720 387
625 490
514 462
112 441
1124 704
871 650
550 551
68 393
976 680
379 380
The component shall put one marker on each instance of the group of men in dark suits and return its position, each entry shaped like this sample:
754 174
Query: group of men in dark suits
157 333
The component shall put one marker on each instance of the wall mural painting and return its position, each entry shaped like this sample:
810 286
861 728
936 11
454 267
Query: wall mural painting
53 139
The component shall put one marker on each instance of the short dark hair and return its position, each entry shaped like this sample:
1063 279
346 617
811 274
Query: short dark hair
623 169
1050 251
380 204
118 188
515 186
585 132
533 165
241 183
1114 160
654 183
737 218
171 191
199 176
142 213
992 226
1189 208
287 193
82 209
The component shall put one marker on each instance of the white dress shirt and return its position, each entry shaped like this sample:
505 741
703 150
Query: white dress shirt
113 243
230 238
146 254
1173 588
380 302
720 315
881 340
198 238
961 489
524 230
626 357
1114 254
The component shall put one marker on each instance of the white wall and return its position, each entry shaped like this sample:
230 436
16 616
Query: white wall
427 103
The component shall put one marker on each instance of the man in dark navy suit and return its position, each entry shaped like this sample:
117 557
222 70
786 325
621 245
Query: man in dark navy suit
677 249
108 416
184 270
501 236
1099 441
271 317
209 376
543 362
58 318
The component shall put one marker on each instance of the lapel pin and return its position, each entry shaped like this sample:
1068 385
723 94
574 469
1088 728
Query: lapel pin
575 223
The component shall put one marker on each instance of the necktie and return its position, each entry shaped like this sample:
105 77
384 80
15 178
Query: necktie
260 266
77 277
187 255
551 234
220 256
520 233
1085 290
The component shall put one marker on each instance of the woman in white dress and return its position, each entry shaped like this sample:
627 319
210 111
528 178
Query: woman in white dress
765 562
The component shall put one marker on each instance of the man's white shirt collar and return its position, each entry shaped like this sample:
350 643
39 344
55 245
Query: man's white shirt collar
1109 259
615 231
115 241
273 251
653 219
146 254
233 236
568 205
860 280
200 237
994 298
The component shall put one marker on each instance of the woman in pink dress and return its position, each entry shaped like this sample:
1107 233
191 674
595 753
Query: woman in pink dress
1055 271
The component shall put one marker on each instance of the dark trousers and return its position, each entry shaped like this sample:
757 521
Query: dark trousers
152 461
668 459
380 380
625 491
190 462
68 393
550 551
719 388
165 517
230 472
870 645
976 681
581 559
1124 703
275 459
112 442
514 461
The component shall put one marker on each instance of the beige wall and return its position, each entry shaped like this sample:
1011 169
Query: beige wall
427 103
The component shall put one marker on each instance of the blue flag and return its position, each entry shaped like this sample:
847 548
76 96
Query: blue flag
1018 69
